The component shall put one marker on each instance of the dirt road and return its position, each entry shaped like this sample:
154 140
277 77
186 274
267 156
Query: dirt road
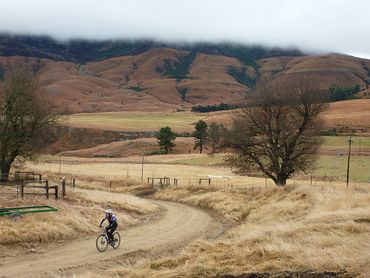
179 225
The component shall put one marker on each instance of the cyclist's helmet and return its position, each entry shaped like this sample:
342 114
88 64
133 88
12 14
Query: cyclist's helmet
109 211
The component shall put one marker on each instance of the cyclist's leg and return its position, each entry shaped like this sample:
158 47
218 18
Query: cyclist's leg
109 234
111 231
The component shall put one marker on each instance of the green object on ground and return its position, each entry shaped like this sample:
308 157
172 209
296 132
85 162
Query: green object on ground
23 210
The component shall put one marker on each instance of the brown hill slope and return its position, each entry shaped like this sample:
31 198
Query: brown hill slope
150 81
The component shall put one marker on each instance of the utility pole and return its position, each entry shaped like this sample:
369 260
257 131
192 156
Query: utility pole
142 168
349 157
359 148
60 164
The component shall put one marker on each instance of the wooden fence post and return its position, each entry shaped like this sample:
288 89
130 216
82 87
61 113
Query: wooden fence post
73 182
63 187
47 189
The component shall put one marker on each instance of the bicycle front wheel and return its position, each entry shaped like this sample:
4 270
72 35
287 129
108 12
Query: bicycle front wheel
102 243
116 240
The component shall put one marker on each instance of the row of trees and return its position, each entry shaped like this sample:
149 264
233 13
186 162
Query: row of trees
214 107
205 136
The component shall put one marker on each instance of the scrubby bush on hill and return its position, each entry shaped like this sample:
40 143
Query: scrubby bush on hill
242 76
338 93
180 68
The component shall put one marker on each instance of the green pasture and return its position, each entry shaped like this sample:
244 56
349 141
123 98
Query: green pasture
326 166
342 141
135 121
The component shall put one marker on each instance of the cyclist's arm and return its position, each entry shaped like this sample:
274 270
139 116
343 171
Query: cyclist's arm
101 223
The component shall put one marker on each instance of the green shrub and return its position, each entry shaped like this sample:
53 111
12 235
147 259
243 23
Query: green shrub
135 88
329 132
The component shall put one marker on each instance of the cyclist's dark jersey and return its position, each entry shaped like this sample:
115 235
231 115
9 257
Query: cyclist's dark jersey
112 221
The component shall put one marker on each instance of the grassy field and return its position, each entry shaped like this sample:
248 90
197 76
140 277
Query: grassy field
326 166
295 229
135 121
298 228
342 141
79 214
329 166
188 169
341 115
201 160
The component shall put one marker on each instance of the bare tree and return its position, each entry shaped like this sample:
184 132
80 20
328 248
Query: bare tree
276 133
215 136
25 118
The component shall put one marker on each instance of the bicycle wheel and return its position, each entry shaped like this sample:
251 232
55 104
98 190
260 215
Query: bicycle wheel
116 240
102 243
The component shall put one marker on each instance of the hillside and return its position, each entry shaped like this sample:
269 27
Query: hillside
146 76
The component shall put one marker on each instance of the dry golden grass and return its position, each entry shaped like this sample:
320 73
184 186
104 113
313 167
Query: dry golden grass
298 228
229 205
188 169
344 114
136 121
79 214
127 203
69 222
106 169
132 148
116 184
348 114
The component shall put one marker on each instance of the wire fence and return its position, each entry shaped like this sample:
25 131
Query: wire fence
253 183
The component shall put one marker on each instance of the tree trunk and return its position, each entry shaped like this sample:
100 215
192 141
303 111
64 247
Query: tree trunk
200 148
280 181
166 149
4 171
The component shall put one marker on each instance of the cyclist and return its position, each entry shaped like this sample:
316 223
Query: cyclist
112 219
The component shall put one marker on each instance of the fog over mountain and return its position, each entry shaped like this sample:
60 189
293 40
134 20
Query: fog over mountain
310 25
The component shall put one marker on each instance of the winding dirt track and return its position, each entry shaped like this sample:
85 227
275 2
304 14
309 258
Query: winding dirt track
179 225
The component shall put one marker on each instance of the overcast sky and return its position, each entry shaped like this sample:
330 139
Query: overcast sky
312 25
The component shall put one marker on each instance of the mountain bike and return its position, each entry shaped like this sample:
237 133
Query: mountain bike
102 241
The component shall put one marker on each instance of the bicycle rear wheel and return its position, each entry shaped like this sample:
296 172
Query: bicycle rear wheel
102 243
116 240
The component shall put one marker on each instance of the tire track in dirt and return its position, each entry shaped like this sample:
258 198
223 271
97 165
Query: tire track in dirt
179 225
